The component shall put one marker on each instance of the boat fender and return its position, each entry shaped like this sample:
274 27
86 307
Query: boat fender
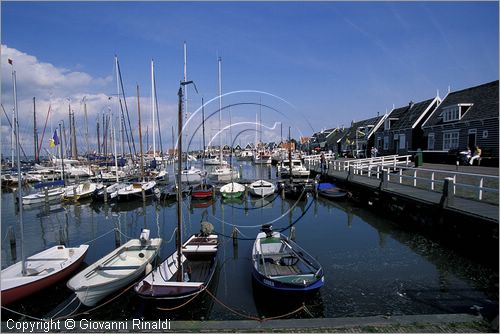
149 268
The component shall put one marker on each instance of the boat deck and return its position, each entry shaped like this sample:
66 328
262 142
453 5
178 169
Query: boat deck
200 270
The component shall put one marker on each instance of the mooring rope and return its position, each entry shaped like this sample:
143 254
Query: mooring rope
252 317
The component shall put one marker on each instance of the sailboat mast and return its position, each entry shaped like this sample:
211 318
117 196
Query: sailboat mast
15 128
203 127
86 125
179 190
114 151
153 105
13 138
220 110
140 133
35 132
289 155
185 94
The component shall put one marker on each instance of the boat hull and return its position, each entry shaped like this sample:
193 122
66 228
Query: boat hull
114 271
14 294
277 286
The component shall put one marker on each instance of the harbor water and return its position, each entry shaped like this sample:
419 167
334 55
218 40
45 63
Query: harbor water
372 266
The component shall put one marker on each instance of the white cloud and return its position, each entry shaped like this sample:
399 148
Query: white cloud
62 89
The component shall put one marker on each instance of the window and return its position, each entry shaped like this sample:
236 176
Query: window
455 113
402 141
430 141
386 142
450 140
485 133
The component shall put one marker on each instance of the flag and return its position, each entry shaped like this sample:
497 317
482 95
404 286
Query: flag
55 138
10 61
51 143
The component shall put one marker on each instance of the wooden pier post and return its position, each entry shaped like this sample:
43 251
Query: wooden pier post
46 194
292 233
143 195
12 241
117 238
234 235
105 194
448 197
383 181
62 239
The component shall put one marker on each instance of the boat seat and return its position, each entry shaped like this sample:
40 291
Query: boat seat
117 267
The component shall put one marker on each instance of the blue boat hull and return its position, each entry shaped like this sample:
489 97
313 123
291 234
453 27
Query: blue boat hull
285 287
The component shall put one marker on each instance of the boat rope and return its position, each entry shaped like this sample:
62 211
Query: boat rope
98 306
22 314
67 305
102 235
183 304
284 214
256 318
279 230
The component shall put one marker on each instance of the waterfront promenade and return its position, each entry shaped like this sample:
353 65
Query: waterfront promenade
465 205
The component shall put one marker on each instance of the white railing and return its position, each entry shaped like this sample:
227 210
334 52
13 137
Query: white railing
398 170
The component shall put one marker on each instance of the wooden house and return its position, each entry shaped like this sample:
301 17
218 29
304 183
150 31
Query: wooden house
401 131
467 117
359 138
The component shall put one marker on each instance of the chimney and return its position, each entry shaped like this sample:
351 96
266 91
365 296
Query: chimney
411 104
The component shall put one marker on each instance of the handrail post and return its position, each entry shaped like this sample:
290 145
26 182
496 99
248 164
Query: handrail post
481 189
350 173
383 181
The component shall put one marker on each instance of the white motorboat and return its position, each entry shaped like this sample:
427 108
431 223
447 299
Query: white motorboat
224 174
261 188
135 190
298 170
45 195
191 175
79 191
116 270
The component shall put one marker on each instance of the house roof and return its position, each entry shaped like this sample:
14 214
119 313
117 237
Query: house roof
407 116
484 99
374 121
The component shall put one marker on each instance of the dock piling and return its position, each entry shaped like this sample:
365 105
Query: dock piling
12 241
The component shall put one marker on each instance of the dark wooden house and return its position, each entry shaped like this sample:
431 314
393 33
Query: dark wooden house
467 117
401 131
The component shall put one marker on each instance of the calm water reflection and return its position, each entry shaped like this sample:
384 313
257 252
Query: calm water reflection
371 267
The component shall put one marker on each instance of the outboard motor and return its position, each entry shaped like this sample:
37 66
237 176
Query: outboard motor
144 238
268 230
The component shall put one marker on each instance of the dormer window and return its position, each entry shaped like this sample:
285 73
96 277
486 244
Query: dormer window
455 112
388 121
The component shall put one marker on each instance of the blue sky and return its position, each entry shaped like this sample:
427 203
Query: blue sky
333 61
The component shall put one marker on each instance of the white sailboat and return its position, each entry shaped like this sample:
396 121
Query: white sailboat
40 270
189 270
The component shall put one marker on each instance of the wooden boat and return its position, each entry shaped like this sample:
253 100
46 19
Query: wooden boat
134 190
295 191
261 188
41 270
331 191
202 191
49 192
170 192
281 265
169 281
232 190
189 270
110 192
116 270
79 191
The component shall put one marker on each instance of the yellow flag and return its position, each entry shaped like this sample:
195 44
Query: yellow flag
52 144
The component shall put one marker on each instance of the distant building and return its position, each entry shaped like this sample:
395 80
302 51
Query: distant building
401 131
360 137
467 117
